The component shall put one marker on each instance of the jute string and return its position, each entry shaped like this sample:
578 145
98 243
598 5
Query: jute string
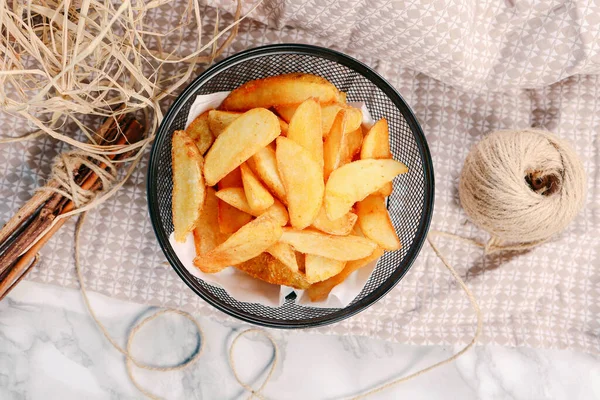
130 359
61 172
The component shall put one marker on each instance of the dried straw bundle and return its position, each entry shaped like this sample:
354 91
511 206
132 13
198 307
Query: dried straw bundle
70 60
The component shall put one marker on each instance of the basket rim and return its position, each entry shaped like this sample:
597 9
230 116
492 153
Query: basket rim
391 93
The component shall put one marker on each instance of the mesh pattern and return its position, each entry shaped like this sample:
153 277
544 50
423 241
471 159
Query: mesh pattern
407 204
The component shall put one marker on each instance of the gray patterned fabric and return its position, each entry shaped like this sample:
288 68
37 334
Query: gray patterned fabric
466 68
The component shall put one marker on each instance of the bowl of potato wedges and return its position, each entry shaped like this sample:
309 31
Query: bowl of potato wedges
304 178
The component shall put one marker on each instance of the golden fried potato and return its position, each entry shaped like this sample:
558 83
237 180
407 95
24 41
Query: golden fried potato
189 189
305 129
207 235
232 179
319 268
279 213
280 90
302 177
257 195
231 218
330 111
328 114
249 241
264 165
200 132
375 223
236 197
341 226
386 190
284 127
284 253
342 248
267 268
320 290
219 120
376 144
355 181
286 112
351 146
239 141
334 144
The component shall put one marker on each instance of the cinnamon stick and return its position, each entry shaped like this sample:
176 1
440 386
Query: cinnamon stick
54 203
108 131
12 275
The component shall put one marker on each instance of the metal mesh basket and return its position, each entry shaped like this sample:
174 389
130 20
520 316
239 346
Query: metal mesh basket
410 205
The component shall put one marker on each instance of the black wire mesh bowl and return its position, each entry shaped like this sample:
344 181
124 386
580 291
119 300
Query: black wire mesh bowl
410 205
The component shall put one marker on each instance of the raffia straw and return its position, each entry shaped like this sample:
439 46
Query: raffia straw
70 66
105 62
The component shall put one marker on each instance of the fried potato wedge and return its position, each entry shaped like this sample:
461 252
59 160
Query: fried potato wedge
200 133
264 164
330 111
248 242
269 269
351 146
302 177
319 268
280 90
232 179
257 195
375 222
207 235
236 197
376 143
355 181
320 291
231 218
219 120
305 128
284 126
328 114
333 147
239 141
386 190
286 112
341 248
279 213
189 190
284 253
341 226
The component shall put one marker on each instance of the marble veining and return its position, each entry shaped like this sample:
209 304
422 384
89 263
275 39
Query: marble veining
51 349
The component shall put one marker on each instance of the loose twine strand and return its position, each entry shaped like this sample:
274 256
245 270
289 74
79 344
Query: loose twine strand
130 359
86 57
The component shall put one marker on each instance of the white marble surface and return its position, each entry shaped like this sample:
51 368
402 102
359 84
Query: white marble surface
51 349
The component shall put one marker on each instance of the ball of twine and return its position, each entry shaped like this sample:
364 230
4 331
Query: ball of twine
522 186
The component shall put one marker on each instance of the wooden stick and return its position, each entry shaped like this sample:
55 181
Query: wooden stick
16 282
53 205
133 133
108 130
